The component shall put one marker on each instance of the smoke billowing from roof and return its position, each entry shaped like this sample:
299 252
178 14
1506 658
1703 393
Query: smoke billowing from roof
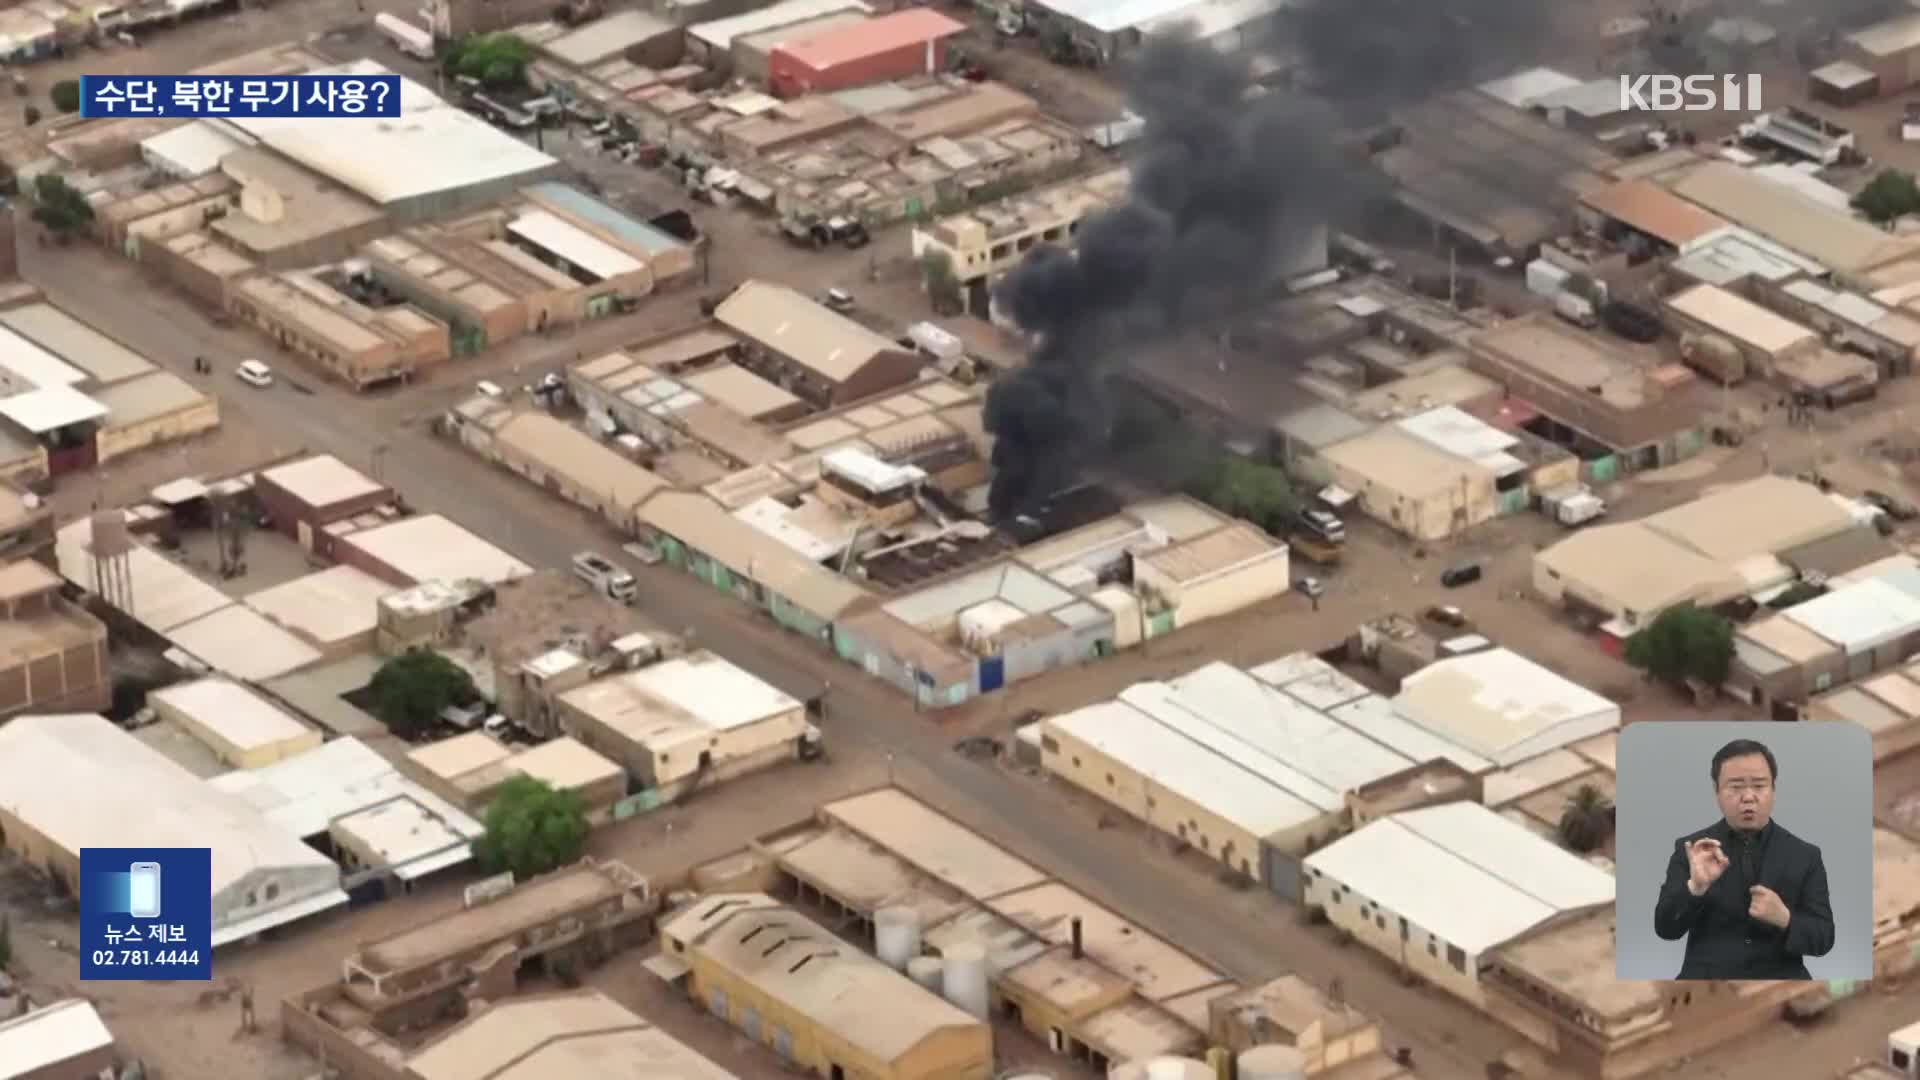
1229 186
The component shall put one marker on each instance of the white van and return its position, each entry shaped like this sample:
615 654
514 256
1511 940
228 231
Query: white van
609 580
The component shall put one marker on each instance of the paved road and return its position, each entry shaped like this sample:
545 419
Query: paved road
1450 1041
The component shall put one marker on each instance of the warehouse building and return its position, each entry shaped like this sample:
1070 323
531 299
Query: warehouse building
344 799
1743 261
577 1033
563 459
1835 239
1889 51
244 730
636 36
823 356
468 770
686 722
1503 706
831 1011
983 243
713 43
1722 545
65 1040
1230 568
753 53
1850 320
1411 485
911 41
1642 212
1437 890
1765 340
263 876
1854 631
1886 705
53 653
426 548
303 497
362 346
455 159
336 610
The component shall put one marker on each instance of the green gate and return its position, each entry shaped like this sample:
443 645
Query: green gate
636 804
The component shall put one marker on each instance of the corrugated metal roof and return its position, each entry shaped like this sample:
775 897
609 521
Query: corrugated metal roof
583 1033
1378 719
572 201
233 712
1859 617
587 45
1167 759
1889 38
574 245
1523 88
1496 702
720 32
1110 16
705 526
1741 319
848 44
51 1035
831 345
306 793
1461 871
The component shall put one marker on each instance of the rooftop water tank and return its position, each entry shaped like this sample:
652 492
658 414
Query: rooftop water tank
1162 1068
927 971
964 978
1272 1062
896 936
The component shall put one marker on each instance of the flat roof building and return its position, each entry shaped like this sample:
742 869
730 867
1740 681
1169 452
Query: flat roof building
244 730
695 719
302 497
263 876
1412 485
1642 207
53 654
360 345
1503 706
1458 880
579 1033
455 159
427 548
65 1040
336 610
1766 340
839 1008
1836 240
467 770
910 41
983 243
566 461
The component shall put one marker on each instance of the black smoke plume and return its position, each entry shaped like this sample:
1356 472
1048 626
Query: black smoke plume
1230 183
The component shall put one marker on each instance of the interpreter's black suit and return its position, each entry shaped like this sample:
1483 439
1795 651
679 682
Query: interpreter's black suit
1723 941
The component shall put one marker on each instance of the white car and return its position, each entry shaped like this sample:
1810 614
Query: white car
254 373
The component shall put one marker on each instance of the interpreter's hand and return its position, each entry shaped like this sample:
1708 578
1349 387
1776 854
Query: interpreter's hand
1767 906
1705 863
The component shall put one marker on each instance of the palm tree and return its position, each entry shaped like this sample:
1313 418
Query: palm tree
1587 821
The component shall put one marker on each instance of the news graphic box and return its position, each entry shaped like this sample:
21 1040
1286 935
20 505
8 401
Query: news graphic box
241 96
146 914
1822 794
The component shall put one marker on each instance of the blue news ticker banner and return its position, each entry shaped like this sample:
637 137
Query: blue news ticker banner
146 914
240 95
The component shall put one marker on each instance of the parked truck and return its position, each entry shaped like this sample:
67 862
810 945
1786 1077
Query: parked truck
1572 506
606 578
1314 549
1576 309
1714 356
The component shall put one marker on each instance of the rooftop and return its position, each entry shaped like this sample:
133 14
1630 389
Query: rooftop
1765 515
322 481
829 344
462 754
1773 210
430 548
446 147
702 691
1647 207
102 358
1402 463
807 969
1577 961
845 44
50 1036
326 607
575 246
139 798
1502 705
1461 871
1222 551
934 844
581 1033
235 713
151 396
586 45
719 33
1741 319
528 904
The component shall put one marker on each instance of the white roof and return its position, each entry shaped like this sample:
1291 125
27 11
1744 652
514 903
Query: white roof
774 518
1380 720
241 642
1502 705
322 481
1852 307
720 32
432 548
193 149
870 472
600 39
135 797
232 711
1464 435
1861 616
331 605
1108 16
79 345
574 245
580 1034
706 689
50 1036
34 366
308 793
164 594
1285 729
1523 88
50 408
1463 872
431 147
1161 702
1163 757
1811 186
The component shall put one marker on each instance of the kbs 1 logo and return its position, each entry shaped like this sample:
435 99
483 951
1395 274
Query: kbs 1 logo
1693 93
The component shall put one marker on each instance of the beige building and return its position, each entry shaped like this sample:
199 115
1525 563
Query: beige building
150 409
1291 1011
1414 487
201 266
986 242
244 730
361 346
1719 546
684 722
53 654
823 1006
1767 341
581 1033
287 216
468 770
822 356
1216 574
570 463
1437 890
1886 705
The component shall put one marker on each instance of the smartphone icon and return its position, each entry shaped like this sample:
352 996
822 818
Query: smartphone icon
143 890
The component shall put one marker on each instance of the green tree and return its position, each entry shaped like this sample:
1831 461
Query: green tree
1587 820
1684 643
943 285
65 95
411 690
1260 493
531 829
60 207
1797 593
1890 195
498 60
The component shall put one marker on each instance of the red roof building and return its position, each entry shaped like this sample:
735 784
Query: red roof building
908 42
